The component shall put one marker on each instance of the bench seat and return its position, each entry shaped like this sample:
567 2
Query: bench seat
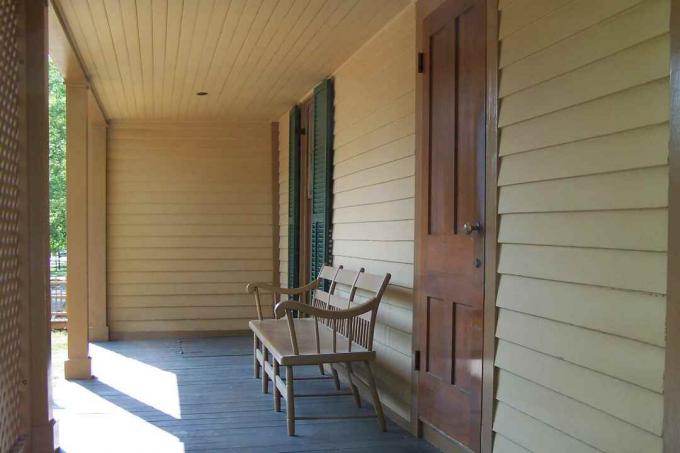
275 337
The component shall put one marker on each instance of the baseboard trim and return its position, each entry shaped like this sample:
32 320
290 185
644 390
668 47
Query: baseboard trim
443 442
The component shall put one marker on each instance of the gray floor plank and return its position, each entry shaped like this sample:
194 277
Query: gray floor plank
198 395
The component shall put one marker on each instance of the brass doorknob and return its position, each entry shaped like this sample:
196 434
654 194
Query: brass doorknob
468 228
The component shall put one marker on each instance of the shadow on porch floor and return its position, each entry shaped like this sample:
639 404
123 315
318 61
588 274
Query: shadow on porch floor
198 395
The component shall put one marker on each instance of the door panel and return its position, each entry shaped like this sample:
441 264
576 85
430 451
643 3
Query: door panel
450 278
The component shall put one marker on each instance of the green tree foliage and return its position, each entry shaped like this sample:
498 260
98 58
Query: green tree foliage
57 117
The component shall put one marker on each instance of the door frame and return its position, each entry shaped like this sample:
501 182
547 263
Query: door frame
423 9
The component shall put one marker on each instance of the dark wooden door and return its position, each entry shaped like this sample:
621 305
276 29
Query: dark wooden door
450 241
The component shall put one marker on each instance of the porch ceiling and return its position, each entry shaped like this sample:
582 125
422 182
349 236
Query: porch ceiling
147 59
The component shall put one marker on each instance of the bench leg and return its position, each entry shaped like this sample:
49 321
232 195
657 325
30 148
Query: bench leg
277 394
290 401
376 398
336 379
355 391
256 363
265 377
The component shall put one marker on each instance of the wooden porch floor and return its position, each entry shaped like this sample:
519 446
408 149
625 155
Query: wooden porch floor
198 395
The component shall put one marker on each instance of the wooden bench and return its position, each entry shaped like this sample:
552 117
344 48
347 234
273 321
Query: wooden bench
320 328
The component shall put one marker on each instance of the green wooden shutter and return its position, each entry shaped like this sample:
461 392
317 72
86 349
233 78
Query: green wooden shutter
322 178
294 199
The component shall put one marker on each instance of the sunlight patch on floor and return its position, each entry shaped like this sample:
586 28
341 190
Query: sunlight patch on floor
150 385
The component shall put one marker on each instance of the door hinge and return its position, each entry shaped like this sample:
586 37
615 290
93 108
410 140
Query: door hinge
416 360
421 62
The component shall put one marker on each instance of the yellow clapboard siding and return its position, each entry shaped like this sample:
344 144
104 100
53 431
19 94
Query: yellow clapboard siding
190 325
632 230
190 253
190 230
647 188
379 193
187 265
189 221
635 315
374 189
395 251
199 219
187 208
573 418
181 313
390 171
395 130
531 434
385 231
378 212
625 269
634 66
389 152
628 360
561 23
521 13
640 407
643 105
171 289
638 24
179 277
179 300
189 242
637 148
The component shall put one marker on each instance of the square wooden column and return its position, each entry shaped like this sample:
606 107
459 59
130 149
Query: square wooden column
78 365
96 223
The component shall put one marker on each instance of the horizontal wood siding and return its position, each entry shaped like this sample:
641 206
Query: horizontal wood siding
189 224
583 193
374 185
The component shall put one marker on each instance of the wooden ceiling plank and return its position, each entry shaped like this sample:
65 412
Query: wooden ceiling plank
314 8
173 30
186 42
115 21
329 26
248 16
109 54
75 29
280 18
159 11
207 56
130 26
145 36
215 70
109 72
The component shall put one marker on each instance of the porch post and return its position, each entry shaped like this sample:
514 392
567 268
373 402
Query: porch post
78 365
96 223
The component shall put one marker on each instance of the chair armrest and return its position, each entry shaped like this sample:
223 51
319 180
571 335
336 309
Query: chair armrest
289 305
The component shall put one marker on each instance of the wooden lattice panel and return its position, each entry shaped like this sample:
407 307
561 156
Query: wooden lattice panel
10 151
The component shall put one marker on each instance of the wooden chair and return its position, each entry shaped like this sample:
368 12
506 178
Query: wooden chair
337 330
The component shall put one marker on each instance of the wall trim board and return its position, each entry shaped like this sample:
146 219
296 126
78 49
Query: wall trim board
177 334
672 371
275 203
491 231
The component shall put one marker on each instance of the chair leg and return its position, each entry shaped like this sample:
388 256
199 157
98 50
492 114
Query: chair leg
265 377
277 394
321 370
290 401
336 379
256 363
355 391
376 398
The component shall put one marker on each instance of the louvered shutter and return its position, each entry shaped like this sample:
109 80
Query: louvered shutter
294 199
322 179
